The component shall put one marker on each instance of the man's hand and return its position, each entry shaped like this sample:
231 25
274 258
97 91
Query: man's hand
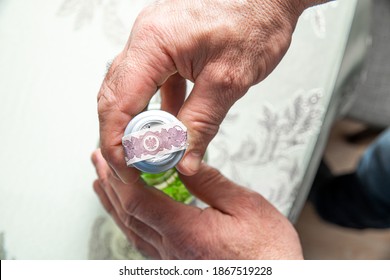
239 224
222 46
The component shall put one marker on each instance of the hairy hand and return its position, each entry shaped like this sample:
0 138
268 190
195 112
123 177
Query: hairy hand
238 224
222 46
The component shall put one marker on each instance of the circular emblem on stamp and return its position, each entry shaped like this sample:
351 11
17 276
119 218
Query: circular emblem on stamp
154 141
150 143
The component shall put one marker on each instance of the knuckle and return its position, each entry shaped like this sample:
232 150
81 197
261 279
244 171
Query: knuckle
231 82
108 153
134 224
249 202
123 217
132 203
116 86
106 98
233 79
203 120
147 29
128 220
130 206
227 80
208 128
103 180
213 176
253 200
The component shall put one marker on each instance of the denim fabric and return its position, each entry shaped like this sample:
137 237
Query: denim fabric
360 199
374 171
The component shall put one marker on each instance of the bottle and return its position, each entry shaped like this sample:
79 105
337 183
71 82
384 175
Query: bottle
158 170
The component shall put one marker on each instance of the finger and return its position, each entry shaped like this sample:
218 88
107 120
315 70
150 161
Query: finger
202 113
145 210
131 81
105 179
210 186
103 198
152 206
145 232
141 245
100 164
173 93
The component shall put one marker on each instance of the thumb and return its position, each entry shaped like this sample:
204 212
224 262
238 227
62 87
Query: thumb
202 113
210 186
131 81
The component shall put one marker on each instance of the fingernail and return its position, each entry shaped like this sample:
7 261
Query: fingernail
192 161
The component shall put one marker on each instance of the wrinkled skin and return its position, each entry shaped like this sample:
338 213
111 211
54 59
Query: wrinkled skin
238 224
222 46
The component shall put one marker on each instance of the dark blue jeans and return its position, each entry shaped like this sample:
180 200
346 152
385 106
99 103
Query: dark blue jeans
360 199
373 172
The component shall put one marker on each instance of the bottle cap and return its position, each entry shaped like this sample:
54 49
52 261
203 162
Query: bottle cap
154 141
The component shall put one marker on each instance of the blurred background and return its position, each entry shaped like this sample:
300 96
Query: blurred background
361 119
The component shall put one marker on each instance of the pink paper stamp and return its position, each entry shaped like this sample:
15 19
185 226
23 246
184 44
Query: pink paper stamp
154 142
